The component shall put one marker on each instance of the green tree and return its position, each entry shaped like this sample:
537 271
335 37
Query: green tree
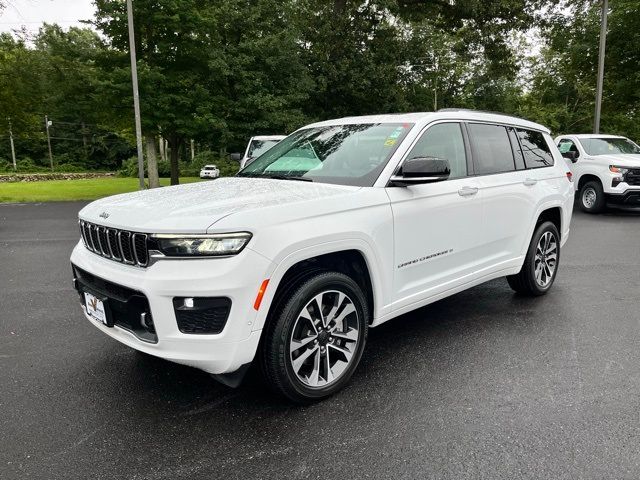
208 71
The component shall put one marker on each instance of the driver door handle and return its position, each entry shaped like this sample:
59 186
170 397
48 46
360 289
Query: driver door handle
530 182
467 191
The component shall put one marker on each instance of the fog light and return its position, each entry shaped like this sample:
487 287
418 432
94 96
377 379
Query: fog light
204 315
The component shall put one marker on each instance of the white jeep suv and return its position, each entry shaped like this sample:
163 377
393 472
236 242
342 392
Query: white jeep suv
342 226
606 170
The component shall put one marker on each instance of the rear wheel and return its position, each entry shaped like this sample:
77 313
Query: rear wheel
314 343
592 197
541 263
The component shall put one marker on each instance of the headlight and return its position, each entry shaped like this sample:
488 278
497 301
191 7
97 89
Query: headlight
619 170
214 245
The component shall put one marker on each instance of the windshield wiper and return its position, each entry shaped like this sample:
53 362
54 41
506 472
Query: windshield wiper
275 177
289 177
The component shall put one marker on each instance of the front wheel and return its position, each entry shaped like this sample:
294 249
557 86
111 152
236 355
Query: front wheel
314 343
541 263
592 197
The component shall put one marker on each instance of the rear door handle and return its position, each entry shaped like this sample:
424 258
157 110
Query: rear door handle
467 191
530 182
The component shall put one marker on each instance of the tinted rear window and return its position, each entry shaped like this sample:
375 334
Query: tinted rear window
492 149
535 149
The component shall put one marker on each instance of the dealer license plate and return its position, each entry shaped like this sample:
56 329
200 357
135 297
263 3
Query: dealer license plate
95 308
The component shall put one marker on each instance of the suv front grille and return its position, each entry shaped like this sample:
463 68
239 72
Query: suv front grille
118 245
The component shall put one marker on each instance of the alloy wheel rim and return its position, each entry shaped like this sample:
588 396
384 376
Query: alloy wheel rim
589 197
324 339
546 259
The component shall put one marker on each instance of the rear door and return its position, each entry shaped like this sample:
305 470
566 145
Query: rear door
437 226
508 192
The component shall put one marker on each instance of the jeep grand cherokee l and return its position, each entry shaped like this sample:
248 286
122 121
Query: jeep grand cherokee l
340 227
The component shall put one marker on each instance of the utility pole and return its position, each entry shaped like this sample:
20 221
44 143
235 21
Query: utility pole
603 45
136 96
13 148
47 124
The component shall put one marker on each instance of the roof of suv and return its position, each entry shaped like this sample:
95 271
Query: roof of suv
423 118
590 135
268 137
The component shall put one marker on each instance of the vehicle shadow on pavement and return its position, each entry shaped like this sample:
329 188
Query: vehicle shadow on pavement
391 347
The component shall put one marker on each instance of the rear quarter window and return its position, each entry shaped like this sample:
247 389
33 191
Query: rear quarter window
535 149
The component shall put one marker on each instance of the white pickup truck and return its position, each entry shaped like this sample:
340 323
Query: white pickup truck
606 170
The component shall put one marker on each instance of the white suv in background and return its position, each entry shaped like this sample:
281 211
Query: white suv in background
344 225
606 170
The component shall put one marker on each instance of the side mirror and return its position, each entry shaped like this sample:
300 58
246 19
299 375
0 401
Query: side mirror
571 155
236 157
419 170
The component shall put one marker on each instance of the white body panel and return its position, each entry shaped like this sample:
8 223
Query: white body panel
420 243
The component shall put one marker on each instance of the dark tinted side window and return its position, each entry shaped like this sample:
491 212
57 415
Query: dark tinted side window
443 140
567 145
517 152
492 151
535 149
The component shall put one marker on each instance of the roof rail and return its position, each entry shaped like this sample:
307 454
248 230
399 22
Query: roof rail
481 111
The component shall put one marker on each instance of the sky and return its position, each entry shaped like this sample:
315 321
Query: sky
32 13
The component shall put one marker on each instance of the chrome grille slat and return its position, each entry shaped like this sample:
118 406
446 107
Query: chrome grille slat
104 245
95 241
139 242
83 233
114 246
118 245
125 247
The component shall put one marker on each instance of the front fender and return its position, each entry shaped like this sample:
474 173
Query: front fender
292 256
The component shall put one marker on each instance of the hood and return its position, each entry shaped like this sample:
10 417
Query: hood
620 160
194 207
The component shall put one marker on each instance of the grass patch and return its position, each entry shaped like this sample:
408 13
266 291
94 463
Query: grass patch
65 190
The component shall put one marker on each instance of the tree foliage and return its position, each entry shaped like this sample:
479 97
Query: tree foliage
219 72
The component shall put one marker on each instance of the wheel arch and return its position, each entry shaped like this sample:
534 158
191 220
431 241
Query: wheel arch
553 215
357 261
588 177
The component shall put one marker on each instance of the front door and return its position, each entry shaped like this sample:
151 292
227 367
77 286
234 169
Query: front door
437 226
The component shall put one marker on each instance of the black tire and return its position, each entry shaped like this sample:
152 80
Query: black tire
275 357
525 282
596 205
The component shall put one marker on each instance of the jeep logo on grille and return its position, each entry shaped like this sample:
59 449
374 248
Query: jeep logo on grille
104 215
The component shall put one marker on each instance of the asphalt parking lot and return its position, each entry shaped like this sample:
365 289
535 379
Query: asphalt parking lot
484 384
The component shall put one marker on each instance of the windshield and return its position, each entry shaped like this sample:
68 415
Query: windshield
258 147
209 168
340 154
608 146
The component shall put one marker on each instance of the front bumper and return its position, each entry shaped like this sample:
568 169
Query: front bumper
628 199
237 278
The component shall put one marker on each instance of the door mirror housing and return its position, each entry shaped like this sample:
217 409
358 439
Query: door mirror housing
571 155
236 157
419 170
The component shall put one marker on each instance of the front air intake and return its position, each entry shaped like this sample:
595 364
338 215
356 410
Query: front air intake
118 245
